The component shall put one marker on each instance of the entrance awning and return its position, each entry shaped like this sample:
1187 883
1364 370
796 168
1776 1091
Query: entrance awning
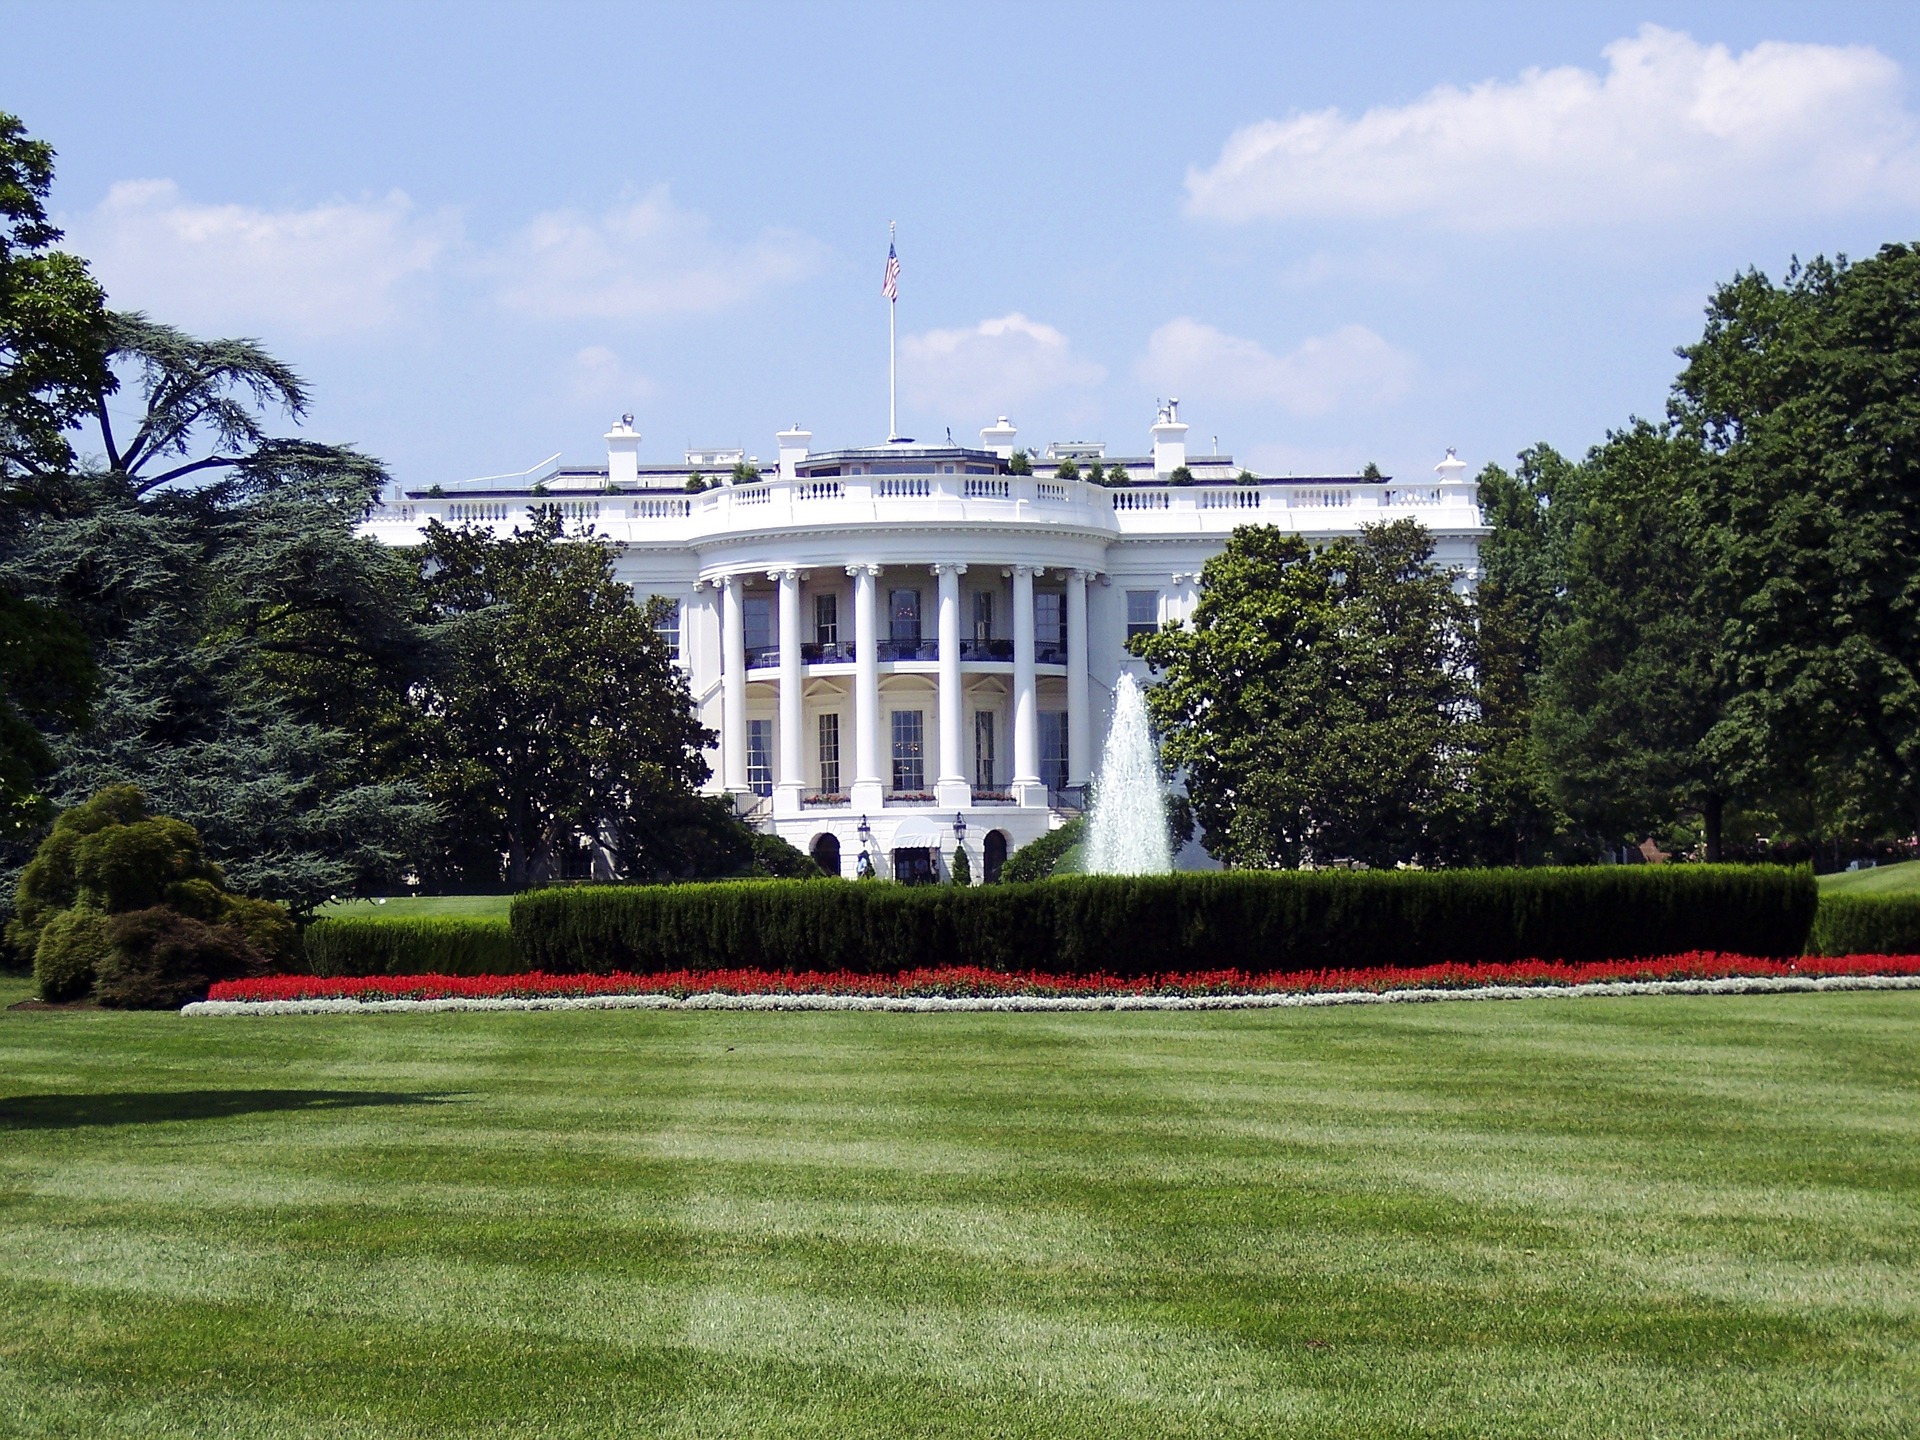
919 832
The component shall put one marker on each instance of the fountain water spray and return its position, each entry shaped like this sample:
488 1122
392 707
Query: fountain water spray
1127 830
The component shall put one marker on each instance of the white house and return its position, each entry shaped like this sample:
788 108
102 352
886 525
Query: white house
906 646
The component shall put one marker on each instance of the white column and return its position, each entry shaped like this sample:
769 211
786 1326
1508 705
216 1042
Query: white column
1027 788
867 791
1079 728
951 790
733 685
786 793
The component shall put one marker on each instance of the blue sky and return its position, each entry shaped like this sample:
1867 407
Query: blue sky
1339 233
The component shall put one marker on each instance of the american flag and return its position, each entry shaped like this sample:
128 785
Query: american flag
890 284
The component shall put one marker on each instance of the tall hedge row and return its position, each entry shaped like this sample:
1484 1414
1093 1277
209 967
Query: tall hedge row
420 945
1867 925
1148 925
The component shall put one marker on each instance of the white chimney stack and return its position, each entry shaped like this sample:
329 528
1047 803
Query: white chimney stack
623 453
1452 468
1169 440
793 449
998 437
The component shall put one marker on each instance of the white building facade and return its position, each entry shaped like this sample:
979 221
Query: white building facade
907 647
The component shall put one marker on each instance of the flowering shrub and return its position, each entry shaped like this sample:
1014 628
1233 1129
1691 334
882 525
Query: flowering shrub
972 981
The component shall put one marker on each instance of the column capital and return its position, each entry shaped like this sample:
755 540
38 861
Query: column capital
941 567
1024 570
858 570
726 582
788 572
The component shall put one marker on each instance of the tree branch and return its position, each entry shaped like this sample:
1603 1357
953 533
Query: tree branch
174 474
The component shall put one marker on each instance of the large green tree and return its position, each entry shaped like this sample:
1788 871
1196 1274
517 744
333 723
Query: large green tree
51 318
1806 394
560 726
1321 702
254 653
1631 687
51 370
1515 817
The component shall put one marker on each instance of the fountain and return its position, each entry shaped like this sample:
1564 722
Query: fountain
1127 828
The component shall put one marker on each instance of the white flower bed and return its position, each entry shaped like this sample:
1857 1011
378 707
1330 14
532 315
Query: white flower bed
938 1004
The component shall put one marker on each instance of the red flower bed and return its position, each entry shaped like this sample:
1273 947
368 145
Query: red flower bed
969 980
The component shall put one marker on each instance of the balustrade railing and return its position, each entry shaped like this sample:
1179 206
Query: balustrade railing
908 650
831 652
905 486
986 650
984 487
762 657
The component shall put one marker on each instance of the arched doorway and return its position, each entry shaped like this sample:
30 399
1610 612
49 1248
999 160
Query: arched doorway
825 851
994 854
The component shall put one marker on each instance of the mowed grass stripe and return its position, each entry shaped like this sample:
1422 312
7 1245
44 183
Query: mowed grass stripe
1688 1216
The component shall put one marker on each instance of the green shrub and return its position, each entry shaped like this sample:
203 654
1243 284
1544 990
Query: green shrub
1274 922
1867 925
109 860
1036 859
424 945
776 859
72 947
161 959
960 871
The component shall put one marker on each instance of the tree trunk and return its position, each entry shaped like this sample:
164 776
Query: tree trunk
1711 813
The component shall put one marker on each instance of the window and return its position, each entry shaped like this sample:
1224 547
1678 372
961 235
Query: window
667 627
760 756
1143 612
909 758
1050 619
984 774
826 619
1053 749
903 608
983 616
759 625
830 754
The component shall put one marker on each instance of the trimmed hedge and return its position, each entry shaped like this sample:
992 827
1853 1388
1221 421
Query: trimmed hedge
1132 926
426 944
1867 925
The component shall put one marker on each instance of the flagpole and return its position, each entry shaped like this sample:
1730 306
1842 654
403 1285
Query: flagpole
893 416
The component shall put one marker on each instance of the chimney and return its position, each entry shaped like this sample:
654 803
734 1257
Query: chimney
998 437
793 449
1452 468
1169 440
623 453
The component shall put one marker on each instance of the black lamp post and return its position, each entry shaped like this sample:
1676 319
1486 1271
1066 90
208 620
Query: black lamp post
960 828
866 832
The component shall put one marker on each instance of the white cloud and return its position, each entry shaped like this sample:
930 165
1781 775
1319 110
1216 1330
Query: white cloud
598 376
1348 368
335 268
1672 129
991 368
640 260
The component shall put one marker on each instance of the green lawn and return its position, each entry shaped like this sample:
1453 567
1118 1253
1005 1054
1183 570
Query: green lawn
1666 1217
405 907
1901 879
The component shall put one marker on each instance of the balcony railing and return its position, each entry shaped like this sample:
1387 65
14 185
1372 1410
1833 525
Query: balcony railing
824 797
908 650
762 657
986 650
1049 652
828 652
